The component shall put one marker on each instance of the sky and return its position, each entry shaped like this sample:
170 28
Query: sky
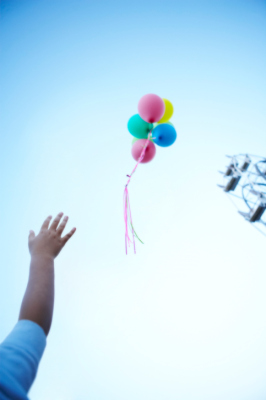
184 318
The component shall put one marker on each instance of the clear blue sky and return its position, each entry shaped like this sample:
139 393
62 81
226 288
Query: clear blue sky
184 318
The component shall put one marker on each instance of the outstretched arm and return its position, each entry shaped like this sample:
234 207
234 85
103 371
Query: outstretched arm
38 301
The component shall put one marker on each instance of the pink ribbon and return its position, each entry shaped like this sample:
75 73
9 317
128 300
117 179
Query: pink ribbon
127 210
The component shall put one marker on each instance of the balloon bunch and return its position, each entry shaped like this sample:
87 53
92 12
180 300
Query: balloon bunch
151 126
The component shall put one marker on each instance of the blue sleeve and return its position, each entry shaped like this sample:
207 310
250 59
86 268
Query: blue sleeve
20 354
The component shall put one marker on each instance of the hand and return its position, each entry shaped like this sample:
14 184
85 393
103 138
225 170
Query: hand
49 243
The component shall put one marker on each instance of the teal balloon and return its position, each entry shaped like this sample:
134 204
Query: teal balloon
138 127
164 135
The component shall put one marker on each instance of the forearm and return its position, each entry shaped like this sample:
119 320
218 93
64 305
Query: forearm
38 301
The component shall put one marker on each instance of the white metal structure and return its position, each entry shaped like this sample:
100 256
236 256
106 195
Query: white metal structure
245 185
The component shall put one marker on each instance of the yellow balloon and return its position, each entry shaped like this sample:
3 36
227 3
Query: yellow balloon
169 110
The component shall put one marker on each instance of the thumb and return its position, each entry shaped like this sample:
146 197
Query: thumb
31 235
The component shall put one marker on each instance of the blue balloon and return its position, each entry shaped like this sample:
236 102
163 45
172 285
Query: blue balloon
164 135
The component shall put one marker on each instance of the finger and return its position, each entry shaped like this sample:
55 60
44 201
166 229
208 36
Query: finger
62 225
56 221
31 235
46 222
68 235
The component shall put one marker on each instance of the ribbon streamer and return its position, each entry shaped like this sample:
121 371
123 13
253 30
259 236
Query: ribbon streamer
127 210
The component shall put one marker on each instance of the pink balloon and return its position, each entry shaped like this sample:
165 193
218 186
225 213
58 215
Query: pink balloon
151 108
138 147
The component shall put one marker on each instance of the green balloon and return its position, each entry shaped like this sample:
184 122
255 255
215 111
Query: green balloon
156 124
138 127
135 139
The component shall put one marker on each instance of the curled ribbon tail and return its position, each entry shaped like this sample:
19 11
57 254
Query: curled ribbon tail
127 210
128 221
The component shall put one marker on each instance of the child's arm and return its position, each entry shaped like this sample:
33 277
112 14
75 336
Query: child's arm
38 301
